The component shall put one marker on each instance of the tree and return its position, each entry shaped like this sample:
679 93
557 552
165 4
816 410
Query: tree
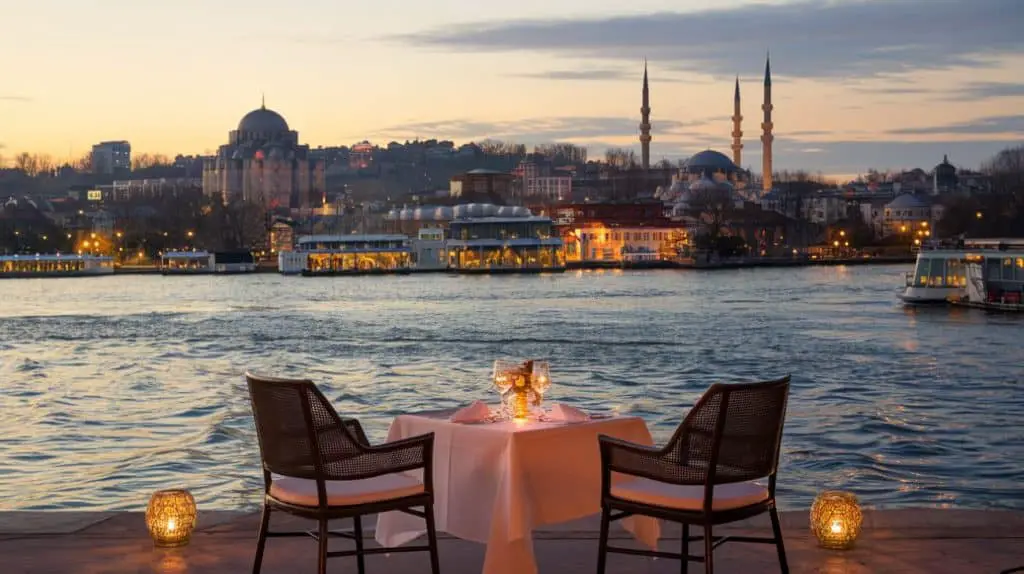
83 164
145 160
498 147
562 152
27 163
620 157
714 207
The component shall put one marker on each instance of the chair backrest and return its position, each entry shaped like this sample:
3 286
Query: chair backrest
734 433
297 428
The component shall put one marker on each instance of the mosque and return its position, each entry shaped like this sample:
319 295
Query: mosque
263 163
711 170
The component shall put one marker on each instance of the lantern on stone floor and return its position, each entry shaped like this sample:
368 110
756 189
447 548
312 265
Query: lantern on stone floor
836 519
171 517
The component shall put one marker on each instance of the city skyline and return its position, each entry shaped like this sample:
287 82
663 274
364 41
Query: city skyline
856 84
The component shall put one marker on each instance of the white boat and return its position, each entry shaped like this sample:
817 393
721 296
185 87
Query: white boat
995 278
938 275
941 273
55 265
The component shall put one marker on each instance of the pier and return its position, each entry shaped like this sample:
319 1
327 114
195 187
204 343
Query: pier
906 541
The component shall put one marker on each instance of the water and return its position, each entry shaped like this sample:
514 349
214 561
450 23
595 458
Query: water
113 387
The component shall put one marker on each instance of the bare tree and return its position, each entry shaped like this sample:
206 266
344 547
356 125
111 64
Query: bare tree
563 152
146 160
714 207
27 163
620 157
83 164
498 147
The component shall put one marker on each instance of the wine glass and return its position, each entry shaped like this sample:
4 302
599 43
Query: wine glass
503 377
541 377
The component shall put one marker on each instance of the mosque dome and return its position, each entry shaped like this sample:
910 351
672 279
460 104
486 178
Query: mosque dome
710 160
705 184
263 120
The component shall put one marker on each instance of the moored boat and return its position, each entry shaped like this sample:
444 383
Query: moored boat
995 278
55 265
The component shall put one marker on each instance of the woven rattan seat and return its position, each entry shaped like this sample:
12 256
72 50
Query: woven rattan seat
319 466
710 472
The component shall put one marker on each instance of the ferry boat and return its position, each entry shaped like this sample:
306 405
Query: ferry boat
55 265
204 262
325 255
995 277
941 271
504 245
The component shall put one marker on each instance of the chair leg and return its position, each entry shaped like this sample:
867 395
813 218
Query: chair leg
357 530
779 546
685 566
261 542
709 550
322 556
435 562
602 544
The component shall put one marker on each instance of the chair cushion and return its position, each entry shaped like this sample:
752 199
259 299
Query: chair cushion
690 497
302 491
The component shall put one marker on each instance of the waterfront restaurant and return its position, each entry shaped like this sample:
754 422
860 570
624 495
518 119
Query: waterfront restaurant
56 265
504 245
354 254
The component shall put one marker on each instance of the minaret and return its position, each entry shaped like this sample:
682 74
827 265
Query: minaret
766 128
645 124
737 133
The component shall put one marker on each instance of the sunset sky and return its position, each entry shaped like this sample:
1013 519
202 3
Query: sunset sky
857 84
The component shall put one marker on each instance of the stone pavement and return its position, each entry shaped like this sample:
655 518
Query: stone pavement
932 541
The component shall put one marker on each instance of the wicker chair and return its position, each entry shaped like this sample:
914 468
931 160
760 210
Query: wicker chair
703 475
318 466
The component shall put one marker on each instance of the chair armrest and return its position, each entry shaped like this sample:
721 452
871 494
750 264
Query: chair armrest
651 462
388 458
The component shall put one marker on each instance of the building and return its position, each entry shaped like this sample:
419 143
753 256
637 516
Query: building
617 233
133 189
504 245
908 214
109 158
739 178
263 163
482 185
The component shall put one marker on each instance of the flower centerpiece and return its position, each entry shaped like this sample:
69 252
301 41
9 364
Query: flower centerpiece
521 386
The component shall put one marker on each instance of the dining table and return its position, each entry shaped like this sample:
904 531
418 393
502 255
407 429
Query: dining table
496 481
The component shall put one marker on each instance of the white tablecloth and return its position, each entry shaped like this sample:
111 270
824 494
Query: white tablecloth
495 482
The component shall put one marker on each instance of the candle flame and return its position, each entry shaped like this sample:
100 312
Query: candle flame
837 527
171 524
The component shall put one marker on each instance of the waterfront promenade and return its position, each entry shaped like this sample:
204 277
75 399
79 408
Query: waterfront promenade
911 541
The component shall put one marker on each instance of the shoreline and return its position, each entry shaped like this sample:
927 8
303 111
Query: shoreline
587 266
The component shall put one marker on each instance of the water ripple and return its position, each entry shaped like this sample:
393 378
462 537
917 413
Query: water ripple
114 387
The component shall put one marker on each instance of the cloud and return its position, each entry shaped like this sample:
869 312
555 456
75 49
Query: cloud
985 90
808 38
580 75
980 126
14 98
541 130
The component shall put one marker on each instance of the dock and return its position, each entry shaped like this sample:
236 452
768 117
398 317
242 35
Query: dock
905 541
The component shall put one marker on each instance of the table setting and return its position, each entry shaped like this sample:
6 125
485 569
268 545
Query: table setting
500 471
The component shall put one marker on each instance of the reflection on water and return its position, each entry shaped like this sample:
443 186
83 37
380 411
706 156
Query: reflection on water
115 387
